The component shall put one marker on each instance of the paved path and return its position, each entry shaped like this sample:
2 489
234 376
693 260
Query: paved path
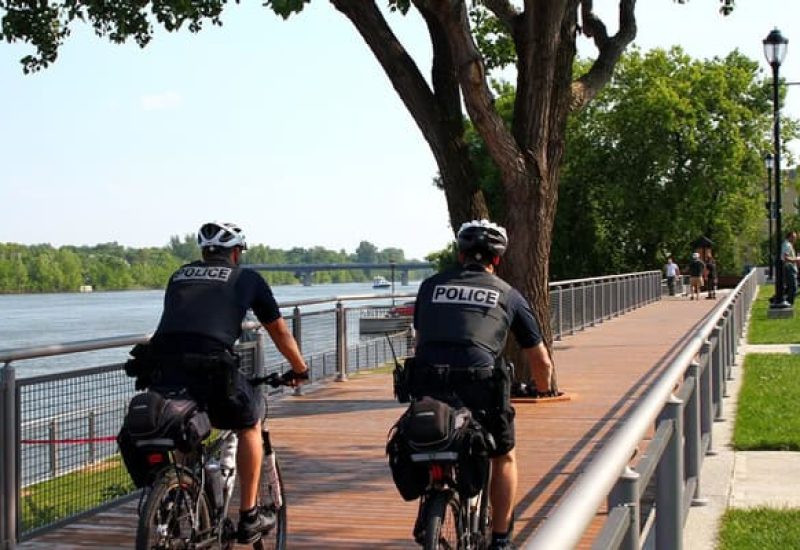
331 440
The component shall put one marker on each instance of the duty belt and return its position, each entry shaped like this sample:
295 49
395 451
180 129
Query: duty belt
454 375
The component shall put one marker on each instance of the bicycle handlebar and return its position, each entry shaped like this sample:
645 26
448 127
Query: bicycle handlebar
276 380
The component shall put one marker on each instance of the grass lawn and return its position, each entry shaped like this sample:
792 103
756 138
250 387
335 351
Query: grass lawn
771 331
48 501
760 529
768 416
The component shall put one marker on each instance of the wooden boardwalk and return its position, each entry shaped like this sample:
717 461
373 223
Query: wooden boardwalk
331 440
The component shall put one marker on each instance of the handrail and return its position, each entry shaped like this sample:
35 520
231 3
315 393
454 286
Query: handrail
565 526
32 352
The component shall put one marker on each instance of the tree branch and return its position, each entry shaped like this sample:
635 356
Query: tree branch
398 65
504 11
610 49
478 98
443 74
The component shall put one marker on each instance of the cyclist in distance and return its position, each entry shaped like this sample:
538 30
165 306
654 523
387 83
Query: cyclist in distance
204 306
462 318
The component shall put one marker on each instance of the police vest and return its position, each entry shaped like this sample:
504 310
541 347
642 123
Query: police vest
468 308
201 299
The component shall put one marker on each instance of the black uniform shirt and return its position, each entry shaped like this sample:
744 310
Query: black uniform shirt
251 291
523 326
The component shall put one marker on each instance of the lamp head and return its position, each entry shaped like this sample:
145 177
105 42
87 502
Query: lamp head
775 46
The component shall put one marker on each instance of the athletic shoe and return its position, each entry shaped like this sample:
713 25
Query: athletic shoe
251 529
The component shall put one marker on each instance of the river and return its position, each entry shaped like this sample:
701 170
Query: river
38 319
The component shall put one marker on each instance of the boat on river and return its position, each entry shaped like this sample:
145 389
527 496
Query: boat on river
380 282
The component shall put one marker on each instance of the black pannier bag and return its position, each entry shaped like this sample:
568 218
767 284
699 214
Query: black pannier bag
430 425
156 424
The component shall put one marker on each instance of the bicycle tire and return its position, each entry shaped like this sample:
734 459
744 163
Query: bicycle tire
275 538
443 525
165 520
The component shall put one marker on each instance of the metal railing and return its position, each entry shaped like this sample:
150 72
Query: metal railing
59 427
673 458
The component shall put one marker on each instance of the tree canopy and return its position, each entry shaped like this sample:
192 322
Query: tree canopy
671 149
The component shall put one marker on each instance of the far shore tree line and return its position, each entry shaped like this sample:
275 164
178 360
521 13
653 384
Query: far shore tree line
111 266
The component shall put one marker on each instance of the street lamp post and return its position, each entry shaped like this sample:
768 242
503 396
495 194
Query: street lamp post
775 46
770 214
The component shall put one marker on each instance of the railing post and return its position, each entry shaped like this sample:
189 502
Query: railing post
297 327
92 431
594 302
707 398
717 371
626 493
8 469
572 309
560 313
669 490
693 442
341 342
259 362
583 306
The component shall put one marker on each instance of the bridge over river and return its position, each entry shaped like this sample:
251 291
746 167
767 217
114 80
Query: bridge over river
331 439
304 272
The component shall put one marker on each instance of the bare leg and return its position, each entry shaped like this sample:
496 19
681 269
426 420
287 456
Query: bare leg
503 490
248 462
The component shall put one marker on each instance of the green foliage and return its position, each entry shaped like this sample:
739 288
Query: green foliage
110 266
767 417
669 150
52 500
759 529
445 258
46 25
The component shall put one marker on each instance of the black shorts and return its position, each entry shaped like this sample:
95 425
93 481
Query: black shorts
488 399
240 407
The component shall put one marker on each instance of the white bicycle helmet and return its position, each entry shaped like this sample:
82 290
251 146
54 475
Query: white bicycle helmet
482 237
220 234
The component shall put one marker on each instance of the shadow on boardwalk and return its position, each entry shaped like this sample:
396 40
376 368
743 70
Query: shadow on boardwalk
331 440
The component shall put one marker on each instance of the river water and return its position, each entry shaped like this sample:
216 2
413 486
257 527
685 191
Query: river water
43 319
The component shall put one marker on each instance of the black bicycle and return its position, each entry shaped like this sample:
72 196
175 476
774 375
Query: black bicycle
186 504
439 454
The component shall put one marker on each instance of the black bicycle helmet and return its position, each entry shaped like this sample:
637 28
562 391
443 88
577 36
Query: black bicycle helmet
482 239
220 235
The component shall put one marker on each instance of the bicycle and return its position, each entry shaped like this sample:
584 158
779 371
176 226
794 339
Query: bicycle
454 469
186 505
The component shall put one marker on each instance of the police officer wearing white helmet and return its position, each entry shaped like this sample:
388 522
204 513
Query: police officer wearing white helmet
462 318
204 306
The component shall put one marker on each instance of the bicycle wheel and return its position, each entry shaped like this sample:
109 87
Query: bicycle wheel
443 522
165 521
275 538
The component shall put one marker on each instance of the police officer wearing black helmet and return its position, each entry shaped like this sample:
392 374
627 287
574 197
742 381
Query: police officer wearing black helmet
462 318
204 306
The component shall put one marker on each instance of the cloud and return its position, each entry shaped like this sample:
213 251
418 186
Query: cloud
159 102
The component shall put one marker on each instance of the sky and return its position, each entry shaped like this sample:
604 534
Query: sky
288 128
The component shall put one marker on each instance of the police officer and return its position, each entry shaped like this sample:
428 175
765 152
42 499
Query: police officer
204 306
462 319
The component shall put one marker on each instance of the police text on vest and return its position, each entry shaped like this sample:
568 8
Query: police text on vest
471 295
195 273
